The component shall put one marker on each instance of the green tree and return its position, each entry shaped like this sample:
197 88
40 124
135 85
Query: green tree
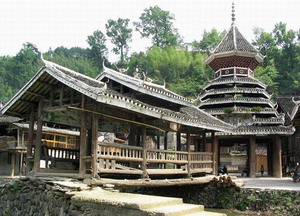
158 24
120 35
98 49
208 42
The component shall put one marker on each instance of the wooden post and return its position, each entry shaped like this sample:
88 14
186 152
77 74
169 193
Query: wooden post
144 163
83 139
95 121
30 141
158 142
132 135
12 168
215 153
277 167
38 143
166 141
188 146
270 158
51 101
252 157
203 142
21 164
61 96
178 141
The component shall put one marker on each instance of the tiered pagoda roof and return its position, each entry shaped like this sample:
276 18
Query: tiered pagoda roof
235 96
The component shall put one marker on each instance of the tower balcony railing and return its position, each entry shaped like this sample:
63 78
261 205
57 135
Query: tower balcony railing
235 90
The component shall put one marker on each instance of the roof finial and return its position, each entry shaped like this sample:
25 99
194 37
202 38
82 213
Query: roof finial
233 14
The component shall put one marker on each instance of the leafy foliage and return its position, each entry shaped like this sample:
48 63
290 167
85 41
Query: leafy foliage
158 24
120 35
98 49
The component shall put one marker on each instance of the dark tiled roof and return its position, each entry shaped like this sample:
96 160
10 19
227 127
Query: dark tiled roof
143 86
261 130
52 73
289 105
234 40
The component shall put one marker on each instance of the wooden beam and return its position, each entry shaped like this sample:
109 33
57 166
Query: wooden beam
150 183
38 143
30 140
95 120
252 157
144 163
83 139
35 94
117 118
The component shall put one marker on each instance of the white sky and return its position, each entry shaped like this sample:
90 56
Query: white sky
53 23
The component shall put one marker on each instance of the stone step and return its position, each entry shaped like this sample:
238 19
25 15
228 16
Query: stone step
205 213
157 201
177 209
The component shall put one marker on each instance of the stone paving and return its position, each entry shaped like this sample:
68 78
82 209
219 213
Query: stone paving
285 183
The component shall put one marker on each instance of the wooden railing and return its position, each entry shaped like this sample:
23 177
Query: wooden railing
63 154
165 156
118 158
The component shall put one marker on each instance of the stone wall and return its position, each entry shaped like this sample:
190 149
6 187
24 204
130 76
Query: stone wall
33 196
271 202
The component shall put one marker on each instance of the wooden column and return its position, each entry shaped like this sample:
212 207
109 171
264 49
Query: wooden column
277 166
215 153
83 139
144 163
12 168
30 141
178 141
188 148
252 157
166 141
38 143
270 158
132 135
95 120
21 164
203 142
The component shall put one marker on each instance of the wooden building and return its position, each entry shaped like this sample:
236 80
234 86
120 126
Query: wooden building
118 104
289 105
237 97
12 147
14 140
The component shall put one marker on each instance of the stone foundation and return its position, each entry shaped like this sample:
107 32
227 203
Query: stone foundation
271 202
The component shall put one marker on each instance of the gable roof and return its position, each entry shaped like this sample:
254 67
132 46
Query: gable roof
289 105
144 87
52 74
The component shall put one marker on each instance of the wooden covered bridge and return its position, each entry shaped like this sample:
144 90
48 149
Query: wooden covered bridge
138 114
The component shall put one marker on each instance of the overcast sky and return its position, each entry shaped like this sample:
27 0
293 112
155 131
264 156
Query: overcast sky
53 23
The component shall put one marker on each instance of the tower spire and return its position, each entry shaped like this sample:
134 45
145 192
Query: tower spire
233 14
